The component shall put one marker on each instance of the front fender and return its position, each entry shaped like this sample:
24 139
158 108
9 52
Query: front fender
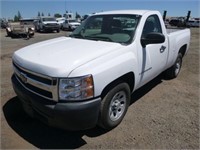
107 69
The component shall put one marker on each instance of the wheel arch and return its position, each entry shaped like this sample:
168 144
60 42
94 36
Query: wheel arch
183 49
128 78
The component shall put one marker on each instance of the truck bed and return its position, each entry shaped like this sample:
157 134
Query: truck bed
177 38
171 30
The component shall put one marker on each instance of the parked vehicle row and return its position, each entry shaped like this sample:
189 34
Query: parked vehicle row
44 24
183 23
193 23
28 26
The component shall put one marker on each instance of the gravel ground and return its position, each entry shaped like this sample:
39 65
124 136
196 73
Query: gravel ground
163 114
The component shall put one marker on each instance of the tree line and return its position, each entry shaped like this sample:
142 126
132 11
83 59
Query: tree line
56 15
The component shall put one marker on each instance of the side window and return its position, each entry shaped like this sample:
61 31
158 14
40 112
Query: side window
152 24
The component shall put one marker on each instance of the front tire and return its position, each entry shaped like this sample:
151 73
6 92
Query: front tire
114 106
173 71
8 33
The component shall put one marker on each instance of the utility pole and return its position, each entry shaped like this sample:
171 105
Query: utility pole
65 6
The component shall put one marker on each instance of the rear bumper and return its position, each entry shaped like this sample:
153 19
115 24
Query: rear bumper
65 115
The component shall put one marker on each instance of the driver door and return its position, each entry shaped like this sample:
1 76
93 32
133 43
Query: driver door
153 56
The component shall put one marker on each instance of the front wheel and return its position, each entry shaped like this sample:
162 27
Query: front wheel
114 106
173 71
31 35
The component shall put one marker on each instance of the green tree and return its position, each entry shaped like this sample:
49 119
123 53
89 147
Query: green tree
77 15
19 16
38 14
49 14
57 15
16 18
42 14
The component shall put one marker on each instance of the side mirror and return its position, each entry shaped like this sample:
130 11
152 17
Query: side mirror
152 38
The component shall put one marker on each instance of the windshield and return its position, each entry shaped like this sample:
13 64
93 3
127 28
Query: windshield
48 19
112 28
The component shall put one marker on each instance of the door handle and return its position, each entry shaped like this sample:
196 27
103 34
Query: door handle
162 49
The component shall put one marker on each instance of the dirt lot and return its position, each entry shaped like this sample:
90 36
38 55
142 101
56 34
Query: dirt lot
163 114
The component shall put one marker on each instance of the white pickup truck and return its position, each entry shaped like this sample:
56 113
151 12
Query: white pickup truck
87 79
44 24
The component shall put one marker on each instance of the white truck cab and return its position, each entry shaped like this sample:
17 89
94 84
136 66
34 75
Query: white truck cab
87 79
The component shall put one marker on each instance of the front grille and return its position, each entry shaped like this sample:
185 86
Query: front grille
41 85
51 24
32 76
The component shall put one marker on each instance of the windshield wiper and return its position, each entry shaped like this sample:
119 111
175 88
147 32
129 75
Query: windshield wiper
76 36
99 38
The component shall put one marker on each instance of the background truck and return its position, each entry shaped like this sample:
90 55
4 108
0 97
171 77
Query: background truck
70 24
46 24
193 23
87 79
24 27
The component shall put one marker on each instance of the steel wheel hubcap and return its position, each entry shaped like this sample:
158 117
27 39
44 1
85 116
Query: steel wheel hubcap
117 105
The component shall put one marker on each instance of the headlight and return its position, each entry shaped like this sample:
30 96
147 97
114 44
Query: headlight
80 88
32 28
9 29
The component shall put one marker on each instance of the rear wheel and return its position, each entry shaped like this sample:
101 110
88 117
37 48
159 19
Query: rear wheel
114 106
173 71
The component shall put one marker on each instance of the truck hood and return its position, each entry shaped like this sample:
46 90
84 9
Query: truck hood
58 57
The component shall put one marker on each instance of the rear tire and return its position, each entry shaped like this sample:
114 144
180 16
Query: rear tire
173 71
114 106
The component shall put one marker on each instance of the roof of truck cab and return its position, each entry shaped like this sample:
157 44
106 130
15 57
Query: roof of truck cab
135 12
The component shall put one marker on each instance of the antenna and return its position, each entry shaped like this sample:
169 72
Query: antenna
65 6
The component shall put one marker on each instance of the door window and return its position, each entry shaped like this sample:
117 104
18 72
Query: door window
152 24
